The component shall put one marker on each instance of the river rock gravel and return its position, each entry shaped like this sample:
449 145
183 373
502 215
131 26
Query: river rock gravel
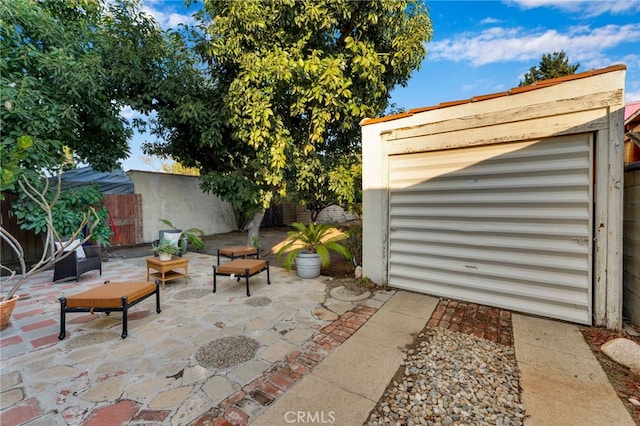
450 378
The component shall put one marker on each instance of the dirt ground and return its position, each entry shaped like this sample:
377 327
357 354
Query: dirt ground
625 382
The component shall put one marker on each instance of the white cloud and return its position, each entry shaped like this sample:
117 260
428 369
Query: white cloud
490 20
497 45
631 96
166 19
129 113
587 8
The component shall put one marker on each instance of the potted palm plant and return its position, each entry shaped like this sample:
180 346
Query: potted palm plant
309 247
165 249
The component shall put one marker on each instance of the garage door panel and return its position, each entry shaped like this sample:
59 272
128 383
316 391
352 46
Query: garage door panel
517 159
500 241
516 181
478 256
530 211
541 276
513 220
513 287
479 197
547 307
567 229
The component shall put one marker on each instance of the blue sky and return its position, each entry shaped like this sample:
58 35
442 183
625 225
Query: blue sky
482 47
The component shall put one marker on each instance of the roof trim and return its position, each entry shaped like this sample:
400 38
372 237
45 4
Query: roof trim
512 91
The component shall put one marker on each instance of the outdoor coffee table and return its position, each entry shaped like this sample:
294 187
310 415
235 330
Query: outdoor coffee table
110 297
165 269
236 252
241 268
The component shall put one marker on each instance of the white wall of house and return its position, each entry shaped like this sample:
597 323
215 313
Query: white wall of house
410 158
179 199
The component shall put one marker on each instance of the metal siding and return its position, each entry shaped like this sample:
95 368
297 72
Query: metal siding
505 225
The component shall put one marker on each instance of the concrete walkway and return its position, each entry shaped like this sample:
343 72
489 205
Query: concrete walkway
349 383
562 382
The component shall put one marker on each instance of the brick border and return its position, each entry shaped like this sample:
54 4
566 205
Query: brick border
493 324
237 408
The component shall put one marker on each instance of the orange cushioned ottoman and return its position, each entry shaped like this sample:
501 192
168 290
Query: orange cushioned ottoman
235 252
241 268
110 297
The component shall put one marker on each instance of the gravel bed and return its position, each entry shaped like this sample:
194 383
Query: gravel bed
450 378
227 352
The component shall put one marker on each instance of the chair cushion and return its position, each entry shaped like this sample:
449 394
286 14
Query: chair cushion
239 266
173 237
238 251
75 245
110 295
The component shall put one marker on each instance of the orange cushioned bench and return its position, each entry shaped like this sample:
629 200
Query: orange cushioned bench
110 297
241 268
235 252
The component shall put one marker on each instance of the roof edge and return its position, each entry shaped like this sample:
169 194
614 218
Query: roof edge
513 91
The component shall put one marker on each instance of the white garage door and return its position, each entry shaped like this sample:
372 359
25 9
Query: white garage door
504 225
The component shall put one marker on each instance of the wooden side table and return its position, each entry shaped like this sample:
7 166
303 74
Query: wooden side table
165 270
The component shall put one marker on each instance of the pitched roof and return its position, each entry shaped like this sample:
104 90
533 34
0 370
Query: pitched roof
510 92
631 110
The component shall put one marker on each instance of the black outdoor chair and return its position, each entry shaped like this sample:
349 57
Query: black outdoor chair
72 266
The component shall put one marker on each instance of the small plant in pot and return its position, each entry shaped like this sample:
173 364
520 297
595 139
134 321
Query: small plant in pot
165 249
309 247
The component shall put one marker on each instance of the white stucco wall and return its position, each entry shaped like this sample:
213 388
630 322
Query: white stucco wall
180 200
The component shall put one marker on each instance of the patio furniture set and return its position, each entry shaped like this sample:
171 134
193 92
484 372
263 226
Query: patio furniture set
119 297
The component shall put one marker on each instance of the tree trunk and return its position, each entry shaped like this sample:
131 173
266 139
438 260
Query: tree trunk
253 227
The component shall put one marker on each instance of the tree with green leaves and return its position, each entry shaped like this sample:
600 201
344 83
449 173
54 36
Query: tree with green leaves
282 89
67 70
551 66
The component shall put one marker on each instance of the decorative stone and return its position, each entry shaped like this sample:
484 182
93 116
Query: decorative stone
623 351
227 352
258 301
325 314
346 295
192 293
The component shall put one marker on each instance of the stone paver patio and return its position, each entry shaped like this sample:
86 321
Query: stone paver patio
154 376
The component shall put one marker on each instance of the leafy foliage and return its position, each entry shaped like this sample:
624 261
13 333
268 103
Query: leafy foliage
354 243
70 209
166 246
551 66
314 238
54 248
67 70
282 88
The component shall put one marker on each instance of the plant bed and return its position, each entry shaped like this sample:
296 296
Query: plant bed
625 382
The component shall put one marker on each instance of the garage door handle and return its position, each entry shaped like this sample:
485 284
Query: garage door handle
471 266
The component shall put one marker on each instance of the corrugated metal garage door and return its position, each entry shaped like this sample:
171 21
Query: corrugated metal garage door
504 225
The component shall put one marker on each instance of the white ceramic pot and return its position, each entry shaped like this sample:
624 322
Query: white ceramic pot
164 256
308 265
